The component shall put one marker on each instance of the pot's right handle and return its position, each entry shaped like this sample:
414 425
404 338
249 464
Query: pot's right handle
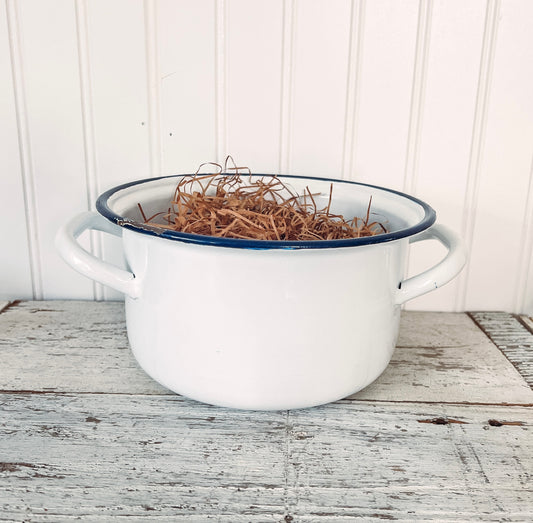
441 273
87 264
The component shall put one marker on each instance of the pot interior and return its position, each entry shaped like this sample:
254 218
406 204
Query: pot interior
402 215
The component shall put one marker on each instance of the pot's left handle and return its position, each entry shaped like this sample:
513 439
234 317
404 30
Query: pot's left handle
87 264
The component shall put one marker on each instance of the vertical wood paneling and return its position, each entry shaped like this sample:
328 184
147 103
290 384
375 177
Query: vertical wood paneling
418 91
478 137
88 129
51 75
446 123
428 96
254 50
221 74
319 71
119 101
15 268
385 91
524 282
153 86
186 42
505 166
352 86
286 66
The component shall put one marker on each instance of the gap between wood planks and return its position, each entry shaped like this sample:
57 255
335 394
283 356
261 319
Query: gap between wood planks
351 401
4 305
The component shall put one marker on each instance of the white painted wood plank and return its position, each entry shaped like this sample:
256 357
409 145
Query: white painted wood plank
116 456
49 47
384 98
524 291
186 44
87 119
477 374
119 102
16 281
505 167
348 464
111 456
442 165
140 518
456 361
86 339
440 357
434 329
444 357
353 85
253 47
318 90
286 65
528 321
513 338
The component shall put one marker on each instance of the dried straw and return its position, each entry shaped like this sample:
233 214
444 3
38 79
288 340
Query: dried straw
231 206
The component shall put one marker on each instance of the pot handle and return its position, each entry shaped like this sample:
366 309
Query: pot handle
87 264
441 273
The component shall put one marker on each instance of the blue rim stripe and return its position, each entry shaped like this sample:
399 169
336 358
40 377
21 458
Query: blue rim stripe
429 219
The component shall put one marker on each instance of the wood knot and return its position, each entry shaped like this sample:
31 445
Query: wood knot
496 423
441 421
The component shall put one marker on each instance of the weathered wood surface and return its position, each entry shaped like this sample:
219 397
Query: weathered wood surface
446 358
527 321
512 337
118 455
440 357
85 434
86 340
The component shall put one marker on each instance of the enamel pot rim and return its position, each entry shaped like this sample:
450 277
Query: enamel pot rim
103 207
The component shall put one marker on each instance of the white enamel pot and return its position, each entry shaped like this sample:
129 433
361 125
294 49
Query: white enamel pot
263 324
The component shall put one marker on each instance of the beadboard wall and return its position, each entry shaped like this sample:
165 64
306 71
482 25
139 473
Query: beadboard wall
430 97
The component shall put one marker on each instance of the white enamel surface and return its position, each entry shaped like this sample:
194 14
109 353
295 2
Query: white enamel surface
259 328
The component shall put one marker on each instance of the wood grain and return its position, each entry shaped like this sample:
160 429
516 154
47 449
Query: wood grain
380 462
320 45
129 455
387 50
437 359
84 434
508 103
253 51
53 97
88 339
527 321
112 456
185 73
15 191
453 68
511 337
428 96
118 81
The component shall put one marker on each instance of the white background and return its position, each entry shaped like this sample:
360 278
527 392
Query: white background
431 97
